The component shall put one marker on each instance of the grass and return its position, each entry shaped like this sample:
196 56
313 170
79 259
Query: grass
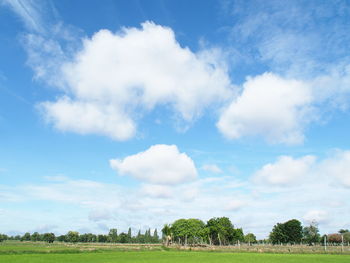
29 252
172 256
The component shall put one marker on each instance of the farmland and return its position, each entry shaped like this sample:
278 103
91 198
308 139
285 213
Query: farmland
30 252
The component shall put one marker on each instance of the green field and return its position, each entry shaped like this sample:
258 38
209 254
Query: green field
38 252
171 256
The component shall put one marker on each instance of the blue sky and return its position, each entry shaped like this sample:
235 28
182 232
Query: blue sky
137 113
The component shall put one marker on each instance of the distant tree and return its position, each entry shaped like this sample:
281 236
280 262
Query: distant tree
102 238
129 235
155 236
237 235
222 232
35 236
278 234
123 238
293 230
346 237
113 235
288 232
166 232
26 237
62 238
3 237
72 237
311 233
343 231
187 231
49 237
334 238
250 238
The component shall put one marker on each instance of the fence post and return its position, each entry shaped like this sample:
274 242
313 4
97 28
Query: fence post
342 243
325 243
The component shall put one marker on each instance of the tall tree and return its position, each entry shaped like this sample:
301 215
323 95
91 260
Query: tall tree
294 231
129 235
288 232
155 236
166 231
311 233
113 235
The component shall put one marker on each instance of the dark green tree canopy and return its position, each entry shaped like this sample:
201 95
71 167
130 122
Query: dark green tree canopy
288 232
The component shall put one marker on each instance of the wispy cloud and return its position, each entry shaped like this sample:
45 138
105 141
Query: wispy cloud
30 12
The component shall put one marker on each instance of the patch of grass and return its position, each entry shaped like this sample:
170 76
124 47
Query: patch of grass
173 257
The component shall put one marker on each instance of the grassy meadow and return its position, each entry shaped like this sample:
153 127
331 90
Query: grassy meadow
29 252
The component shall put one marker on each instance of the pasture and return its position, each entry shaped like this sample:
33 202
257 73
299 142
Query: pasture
28 252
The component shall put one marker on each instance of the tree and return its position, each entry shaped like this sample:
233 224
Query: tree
277 234
62 238
346 237
123 238
238 235
343 231
250 238
155 236
129 235
26 237
3 237
187 231
288 232
72 236
35 236
113 235
222 232
49 237
102 238
334 238
294 231
166 231
311 233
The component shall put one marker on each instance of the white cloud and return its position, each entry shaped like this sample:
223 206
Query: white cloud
157 191
99 214
160 164
285 171
319 216
117 77
235 205
337 167
270 106
213 168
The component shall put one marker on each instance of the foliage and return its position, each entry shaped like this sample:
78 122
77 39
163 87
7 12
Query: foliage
26 237
72 237
49 237
288 232
334 238
221 231
343 231
311 234
250 238
187 231
3 237
113 235
346 237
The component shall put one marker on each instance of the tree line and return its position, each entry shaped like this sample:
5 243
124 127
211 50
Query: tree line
73 237
216 231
